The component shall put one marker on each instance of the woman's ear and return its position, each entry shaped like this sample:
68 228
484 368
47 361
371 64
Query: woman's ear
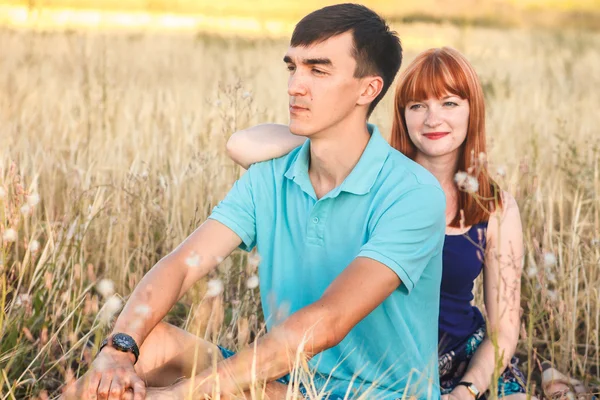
370 89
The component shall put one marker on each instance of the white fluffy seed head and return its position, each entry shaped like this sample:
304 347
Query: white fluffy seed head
466 182
252 282
106 288
33 199
549 259
2 193
143 310
34 246
111 307
10 235
193 260
26 209
214 288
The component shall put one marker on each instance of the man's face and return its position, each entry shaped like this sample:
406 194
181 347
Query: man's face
322 88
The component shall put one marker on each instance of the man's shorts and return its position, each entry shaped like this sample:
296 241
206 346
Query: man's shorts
284 379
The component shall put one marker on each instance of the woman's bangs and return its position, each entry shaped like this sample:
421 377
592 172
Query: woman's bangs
431 79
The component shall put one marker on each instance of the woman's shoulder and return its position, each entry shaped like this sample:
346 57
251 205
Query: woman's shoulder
504 218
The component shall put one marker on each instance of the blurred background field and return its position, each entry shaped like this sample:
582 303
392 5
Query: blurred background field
264 17
112 150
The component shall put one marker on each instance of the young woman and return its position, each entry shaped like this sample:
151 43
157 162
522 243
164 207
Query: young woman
439 122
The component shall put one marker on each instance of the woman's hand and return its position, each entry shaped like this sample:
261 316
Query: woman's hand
166 393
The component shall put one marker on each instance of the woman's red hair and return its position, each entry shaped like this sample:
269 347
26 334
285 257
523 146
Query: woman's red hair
437 73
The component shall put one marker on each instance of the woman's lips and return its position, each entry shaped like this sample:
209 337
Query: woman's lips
435 135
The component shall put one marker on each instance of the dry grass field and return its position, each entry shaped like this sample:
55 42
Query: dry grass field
112 150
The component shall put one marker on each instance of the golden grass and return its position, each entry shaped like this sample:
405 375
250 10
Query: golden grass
122 136
262 17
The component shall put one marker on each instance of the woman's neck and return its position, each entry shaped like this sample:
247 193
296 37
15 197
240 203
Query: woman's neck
442 167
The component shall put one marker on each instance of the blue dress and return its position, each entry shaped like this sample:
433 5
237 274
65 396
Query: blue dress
461 325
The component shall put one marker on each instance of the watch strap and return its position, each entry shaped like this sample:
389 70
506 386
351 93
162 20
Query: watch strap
471 388
134 348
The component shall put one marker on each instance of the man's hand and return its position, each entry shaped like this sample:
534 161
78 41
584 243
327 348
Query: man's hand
110 376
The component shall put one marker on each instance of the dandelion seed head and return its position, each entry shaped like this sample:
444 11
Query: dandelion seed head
143 310
218 103
471 185
501 171
552 295
111 307
26 209
460 177
549 259
214 288
193 260
2 193
246 95
10 235
254 260
550 276
22 299
466 182
106 288
33 199
532 271
252 282
34 246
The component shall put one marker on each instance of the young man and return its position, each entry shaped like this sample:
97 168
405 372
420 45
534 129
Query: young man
350 234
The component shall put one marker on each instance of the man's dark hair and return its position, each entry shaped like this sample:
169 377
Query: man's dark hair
377 49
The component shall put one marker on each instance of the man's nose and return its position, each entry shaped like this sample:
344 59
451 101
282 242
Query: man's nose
297 85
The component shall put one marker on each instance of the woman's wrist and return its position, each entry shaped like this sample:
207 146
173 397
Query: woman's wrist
462 393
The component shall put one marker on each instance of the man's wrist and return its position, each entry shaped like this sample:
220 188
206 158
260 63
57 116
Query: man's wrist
122 343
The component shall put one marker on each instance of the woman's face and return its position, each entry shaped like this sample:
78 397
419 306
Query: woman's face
438 127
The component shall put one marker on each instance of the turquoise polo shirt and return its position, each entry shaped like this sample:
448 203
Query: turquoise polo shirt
389 209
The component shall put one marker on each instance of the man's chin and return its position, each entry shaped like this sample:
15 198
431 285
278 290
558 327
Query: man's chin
299 129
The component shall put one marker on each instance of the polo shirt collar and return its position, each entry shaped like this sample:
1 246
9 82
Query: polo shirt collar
362 177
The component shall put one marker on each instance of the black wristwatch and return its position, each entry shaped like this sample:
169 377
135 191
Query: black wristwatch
122 342
472 388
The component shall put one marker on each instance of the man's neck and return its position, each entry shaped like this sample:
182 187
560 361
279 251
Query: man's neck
334 153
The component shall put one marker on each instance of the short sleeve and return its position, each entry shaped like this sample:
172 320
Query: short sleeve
237 210
409 233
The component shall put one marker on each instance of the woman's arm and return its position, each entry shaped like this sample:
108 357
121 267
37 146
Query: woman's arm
502 295
260 143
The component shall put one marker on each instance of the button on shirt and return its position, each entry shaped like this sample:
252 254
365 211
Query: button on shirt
388 209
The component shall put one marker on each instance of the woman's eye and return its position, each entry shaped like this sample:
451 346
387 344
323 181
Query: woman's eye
450 104
415 106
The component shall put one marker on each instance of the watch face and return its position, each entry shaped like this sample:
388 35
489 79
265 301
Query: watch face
122 341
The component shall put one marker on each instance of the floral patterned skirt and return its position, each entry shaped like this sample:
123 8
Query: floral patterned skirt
454 363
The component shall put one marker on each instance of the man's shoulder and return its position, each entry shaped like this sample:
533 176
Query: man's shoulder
403 174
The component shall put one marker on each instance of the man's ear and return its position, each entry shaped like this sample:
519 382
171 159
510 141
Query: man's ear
370 88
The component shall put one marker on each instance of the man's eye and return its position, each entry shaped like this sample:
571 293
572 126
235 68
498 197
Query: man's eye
318 72
291 68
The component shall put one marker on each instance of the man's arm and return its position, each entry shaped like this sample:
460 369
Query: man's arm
311 330
173 275
112 371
